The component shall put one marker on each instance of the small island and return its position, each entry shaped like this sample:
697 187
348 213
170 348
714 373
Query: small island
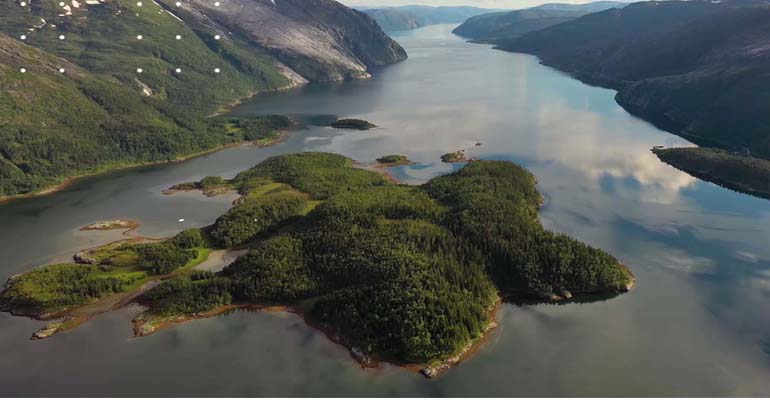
110 225
410 275
393 160
455 157
350 123
733 171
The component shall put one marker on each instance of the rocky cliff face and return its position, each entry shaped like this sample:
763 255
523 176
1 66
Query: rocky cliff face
700 69
317 39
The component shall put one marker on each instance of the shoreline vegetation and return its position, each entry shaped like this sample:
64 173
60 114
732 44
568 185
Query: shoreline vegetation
318 236
144 325
382 165
210 186
394 160
748 175
274 137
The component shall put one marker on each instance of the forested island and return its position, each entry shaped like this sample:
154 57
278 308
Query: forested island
393 160
738 172
351 123
404 274
455 157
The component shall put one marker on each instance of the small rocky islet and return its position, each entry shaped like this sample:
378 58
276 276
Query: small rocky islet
109 225
339 244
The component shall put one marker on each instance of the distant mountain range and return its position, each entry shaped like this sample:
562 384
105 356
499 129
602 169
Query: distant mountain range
92 86
404 18
508 24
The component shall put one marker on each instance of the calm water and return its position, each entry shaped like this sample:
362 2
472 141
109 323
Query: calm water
697 323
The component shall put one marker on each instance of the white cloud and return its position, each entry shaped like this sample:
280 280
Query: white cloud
497 4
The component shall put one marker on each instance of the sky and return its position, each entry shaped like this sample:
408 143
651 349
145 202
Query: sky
513 4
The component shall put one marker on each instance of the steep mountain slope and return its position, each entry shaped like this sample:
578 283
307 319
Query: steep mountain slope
509 24
412 17
139 78
320 39
54 125
700 69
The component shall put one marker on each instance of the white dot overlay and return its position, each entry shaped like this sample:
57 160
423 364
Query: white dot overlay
138 37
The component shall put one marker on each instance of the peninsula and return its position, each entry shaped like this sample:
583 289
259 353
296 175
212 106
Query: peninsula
750 175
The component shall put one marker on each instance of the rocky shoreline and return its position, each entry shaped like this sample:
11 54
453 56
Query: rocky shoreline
144 325
432 372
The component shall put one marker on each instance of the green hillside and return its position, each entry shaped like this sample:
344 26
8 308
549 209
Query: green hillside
103 40
139 83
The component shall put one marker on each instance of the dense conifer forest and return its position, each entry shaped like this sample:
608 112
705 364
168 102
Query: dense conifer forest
409 274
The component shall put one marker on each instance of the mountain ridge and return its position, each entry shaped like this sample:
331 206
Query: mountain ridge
507 24
401 18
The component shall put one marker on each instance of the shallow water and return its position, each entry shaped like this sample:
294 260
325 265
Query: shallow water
698 322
